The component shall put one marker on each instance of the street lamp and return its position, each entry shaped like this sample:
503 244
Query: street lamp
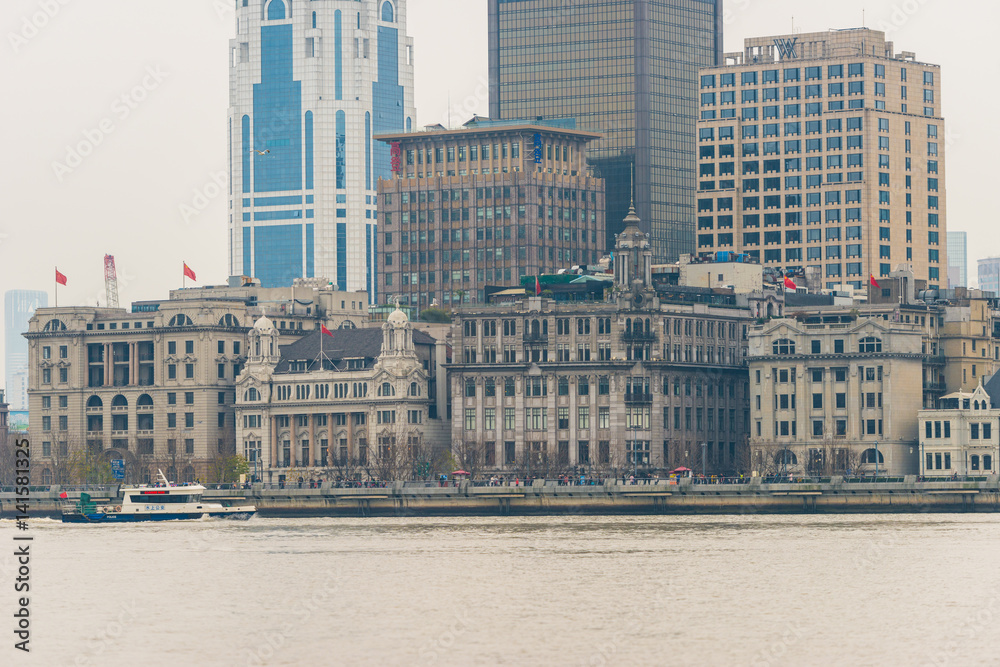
704 456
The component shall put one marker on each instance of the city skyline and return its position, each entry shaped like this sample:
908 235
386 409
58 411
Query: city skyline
155 124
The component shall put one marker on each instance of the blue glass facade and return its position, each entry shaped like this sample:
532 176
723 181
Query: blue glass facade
341 140
342 255
277 113
388 98
309 151
278 252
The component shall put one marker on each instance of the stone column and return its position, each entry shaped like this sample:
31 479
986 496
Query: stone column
133 364
329 440
107 365
274 441
313 447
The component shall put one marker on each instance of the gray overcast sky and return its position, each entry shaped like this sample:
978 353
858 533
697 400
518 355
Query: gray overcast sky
155 75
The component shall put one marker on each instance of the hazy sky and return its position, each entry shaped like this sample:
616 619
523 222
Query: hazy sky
147 83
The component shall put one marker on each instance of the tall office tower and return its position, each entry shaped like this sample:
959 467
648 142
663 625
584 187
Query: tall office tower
310 84
825 150
18 307
628 70
958 259
989 274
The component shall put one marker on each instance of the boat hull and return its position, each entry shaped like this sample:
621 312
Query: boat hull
100 517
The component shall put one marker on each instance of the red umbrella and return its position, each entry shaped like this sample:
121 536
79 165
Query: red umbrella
459 472
681 469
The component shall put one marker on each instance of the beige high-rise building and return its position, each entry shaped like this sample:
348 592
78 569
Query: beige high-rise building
825 150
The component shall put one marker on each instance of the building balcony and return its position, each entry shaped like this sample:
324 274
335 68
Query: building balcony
95 434
639 337
638 397
119 434
935 386
142 433
536 338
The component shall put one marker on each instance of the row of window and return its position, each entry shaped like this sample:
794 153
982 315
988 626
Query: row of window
942 429
636 418
812 73
767 112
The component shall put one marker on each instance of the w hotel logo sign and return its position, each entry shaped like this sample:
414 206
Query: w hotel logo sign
786 48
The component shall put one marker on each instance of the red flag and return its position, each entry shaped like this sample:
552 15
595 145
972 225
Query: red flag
789 283
60 278
874 282
538 286
64 495
325 330
188 272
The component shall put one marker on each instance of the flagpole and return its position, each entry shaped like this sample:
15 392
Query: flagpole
183 275
57 287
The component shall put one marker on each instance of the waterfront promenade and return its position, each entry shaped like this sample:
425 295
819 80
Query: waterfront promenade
611 497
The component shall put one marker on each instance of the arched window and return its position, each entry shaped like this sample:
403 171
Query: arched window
229 321
785 457
171 474
386 390
54 325
347 324
871 455
387 11
46 476
144 401
414 389
251 394
180 320
784 346
95 402
276 10
119 401
870 344
314 20
628 325
188 475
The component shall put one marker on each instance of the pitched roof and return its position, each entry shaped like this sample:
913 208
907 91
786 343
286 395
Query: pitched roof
343 344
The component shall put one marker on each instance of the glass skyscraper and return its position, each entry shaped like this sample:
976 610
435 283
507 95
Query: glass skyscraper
311 82
627 69
18 307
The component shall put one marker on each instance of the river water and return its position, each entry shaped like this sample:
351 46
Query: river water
746 590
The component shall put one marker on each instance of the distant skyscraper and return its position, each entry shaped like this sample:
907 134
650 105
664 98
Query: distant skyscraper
825 150
18 307
989 274
310 84
627 69
958 259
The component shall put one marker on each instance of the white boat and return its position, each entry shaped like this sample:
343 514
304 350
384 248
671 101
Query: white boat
154 502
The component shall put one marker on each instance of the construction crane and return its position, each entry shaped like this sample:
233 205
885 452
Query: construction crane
110 281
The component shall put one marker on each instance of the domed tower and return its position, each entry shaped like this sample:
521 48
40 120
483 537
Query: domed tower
263 343
634 263
397 336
